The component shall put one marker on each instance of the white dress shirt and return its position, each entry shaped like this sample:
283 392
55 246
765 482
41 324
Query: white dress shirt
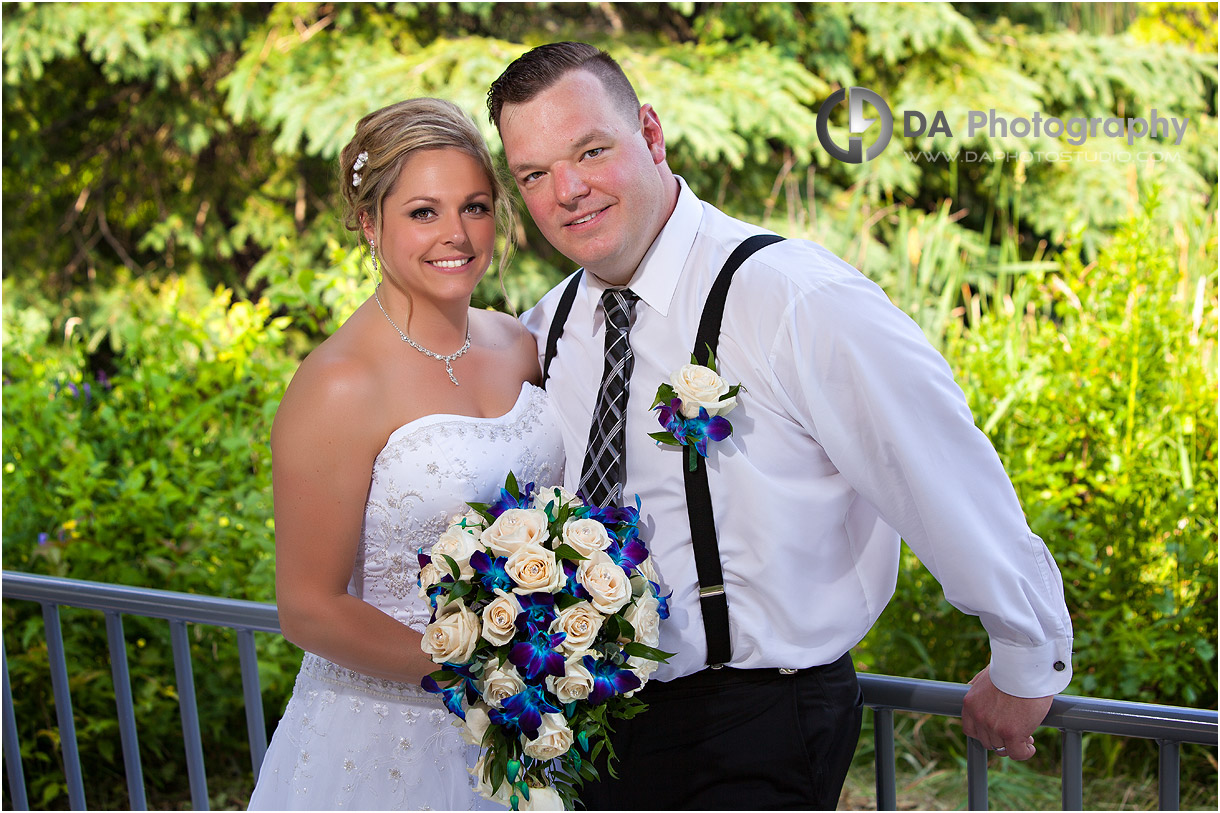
849 433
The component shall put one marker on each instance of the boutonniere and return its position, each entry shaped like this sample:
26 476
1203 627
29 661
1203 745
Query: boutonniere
692 407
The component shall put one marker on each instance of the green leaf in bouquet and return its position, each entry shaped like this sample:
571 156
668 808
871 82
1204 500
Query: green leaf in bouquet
510 485
665 437
665 394
587 771
513 767
454 570
459 589
637 650
565 551
620 628
565 600
444 676
732 393
495 770
482 509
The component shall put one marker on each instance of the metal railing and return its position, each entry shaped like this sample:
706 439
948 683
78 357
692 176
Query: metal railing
1169 726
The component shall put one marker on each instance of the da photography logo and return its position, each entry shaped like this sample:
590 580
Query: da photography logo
857 124
1075 131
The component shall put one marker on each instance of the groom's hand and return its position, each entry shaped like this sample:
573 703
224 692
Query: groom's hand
1000 721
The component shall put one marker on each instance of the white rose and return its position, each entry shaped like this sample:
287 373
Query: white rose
541 799
514 528
648 570
585 536
641 668
553 740
644 618
607 583
580 623
453 636
501 684
477 721
699 386
429 576
534 569
558 495
576 682
458 545
501 794
500 618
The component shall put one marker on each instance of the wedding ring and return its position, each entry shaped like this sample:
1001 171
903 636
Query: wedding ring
1000 750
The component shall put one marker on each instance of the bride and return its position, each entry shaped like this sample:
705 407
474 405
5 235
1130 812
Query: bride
418 404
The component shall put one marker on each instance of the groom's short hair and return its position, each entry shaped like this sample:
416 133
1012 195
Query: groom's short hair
537 70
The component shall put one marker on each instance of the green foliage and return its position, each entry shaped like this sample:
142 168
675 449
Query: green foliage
141 462
1105 417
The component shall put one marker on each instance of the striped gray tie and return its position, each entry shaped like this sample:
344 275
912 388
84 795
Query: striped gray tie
601 480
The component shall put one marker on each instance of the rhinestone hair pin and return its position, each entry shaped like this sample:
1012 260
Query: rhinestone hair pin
361 160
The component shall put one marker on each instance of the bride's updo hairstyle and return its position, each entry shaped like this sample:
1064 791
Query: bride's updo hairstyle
371 162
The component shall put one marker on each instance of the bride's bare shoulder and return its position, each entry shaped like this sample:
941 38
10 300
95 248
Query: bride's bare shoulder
338 384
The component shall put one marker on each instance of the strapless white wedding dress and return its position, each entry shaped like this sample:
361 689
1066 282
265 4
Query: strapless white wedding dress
351 741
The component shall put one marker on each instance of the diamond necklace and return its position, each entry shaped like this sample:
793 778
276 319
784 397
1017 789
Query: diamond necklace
447 359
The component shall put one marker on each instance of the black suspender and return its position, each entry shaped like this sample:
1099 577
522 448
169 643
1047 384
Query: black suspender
712 601
557 322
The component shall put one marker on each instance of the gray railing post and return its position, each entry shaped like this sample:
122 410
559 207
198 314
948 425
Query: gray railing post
12 746
185 676
256 727
883 758
1072 771
63 706
976 775
126 710
1168 770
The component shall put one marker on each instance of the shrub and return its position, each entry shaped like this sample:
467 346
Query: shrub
144 462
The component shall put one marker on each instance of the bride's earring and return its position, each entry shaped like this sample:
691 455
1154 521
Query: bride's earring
373 252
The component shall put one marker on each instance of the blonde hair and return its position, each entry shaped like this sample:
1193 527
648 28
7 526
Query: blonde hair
390 136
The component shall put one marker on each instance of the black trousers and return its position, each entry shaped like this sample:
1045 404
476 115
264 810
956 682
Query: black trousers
734 739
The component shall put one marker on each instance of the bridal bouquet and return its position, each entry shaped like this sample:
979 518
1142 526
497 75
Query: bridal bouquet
545 618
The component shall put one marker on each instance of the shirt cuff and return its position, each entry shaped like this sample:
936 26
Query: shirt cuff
1031 671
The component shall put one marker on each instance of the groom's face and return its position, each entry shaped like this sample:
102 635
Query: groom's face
589 172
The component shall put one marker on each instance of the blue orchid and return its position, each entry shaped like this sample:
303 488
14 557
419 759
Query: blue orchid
538 656
693 433
452 695
613 515
662 601
670 417
537 612
437 590
571 586
508 500
608 679
523 711
628 555
705 428
491 570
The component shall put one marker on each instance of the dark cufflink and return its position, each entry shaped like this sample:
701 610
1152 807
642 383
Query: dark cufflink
1059 666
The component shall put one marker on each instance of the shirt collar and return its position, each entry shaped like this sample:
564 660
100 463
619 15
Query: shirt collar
656 279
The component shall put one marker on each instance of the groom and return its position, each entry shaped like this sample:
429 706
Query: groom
782 549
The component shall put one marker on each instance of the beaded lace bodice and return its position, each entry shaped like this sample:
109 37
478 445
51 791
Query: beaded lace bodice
427 472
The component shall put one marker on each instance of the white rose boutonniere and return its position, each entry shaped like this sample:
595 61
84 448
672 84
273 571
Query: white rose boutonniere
692 408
